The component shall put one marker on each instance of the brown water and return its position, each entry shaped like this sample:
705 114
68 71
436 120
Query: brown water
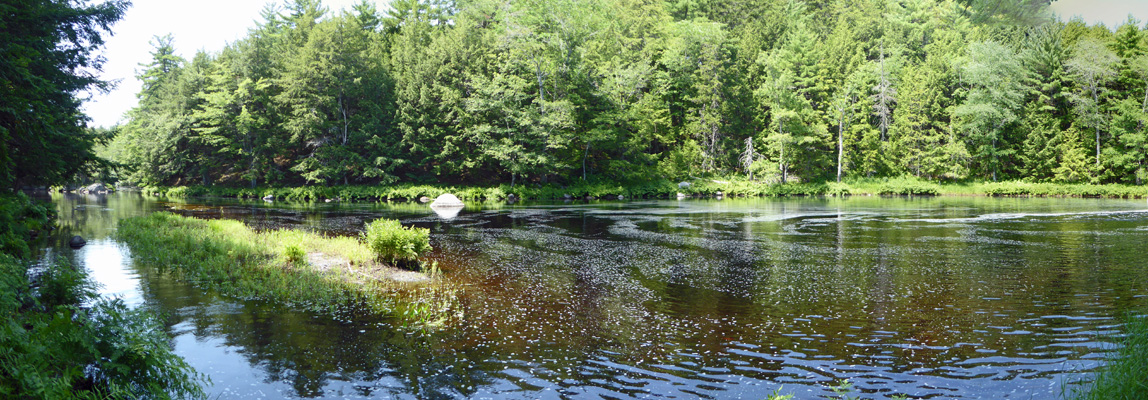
927 297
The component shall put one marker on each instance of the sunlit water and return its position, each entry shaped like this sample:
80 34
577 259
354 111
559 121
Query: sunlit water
736 298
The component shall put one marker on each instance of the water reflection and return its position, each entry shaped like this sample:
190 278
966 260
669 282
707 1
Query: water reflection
943 297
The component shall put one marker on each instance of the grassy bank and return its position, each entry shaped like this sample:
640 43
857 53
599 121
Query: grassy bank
1125 377
901 186
300 269
59 340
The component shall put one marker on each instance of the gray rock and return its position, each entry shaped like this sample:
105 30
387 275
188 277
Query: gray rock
424 199
621 197
269 197
77 242
683 185
94 188
447 200
567 196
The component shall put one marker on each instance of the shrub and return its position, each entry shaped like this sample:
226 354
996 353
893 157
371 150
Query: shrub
394 243
294 254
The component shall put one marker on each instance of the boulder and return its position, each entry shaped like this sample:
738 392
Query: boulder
681 195
447 200
424 199
94 188
567 196
683 185
621 197
269 197
77 242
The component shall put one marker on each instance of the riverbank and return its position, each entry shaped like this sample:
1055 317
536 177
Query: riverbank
61 340
292 267
904 186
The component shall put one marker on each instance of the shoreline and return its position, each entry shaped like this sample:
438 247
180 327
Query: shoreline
699 188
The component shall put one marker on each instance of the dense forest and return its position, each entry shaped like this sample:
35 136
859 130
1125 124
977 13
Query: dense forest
557 91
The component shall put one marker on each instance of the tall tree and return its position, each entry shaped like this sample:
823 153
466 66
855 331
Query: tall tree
1092 66
47 61
996 80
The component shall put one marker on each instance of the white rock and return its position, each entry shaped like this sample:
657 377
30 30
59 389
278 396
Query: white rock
447 200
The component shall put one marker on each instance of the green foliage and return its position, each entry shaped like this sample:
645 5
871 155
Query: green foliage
294 254
488 93
61 341
395 243
909 186
1126 373
48 59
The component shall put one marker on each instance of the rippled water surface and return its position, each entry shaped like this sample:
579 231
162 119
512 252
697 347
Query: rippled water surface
736 298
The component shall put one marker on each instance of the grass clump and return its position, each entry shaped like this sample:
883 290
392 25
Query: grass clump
296 268
396 244
1126 375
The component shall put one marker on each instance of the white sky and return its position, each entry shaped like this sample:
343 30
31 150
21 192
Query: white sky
1112 13
211 24
202 24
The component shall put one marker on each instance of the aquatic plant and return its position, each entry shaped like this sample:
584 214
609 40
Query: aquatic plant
395 243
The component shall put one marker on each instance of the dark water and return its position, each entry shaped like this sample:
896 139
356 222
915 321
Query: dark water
934 298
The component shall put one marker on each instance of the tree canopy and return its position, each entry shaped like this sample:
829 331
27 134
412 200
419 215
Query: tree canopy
491 91
46 64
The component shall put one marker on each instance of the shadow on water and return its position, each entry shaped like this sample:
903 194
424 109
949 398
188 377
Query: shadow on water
935 297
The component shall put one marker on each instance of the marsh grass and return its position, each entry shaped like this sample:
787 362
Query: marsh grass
1125 377
332 274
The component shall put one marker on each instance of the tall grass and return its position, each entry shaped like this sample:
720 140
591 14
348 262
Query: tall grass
331 274
1126 375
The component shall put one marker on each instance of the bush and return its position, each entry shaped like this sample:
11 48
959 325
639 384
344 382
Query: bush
294 254
394 243
909 186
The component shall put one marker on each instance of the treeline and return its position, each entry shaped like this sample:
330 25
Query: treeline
561 91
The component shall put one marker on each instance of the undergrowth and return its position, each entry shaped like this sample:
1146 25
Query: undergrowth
59 340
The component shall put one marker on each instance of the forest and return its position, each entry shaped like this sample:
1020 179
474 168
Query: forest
562 91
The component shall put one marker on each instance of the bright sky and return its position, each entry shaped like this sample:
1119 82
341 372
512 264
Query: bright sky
1112 13
202 24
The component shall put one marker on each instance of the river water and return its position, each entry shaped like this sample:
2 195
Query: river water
948 297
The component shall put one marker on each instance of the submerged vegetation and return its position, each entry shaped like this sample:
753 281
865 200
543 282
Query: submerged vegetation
292 267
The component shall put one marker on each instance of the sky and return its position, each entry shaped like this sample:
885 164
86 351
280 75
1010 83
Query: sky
1112 13
211 24
202 24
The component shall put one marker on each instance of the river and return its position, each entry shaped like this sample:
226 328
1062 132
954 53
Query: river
948 297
